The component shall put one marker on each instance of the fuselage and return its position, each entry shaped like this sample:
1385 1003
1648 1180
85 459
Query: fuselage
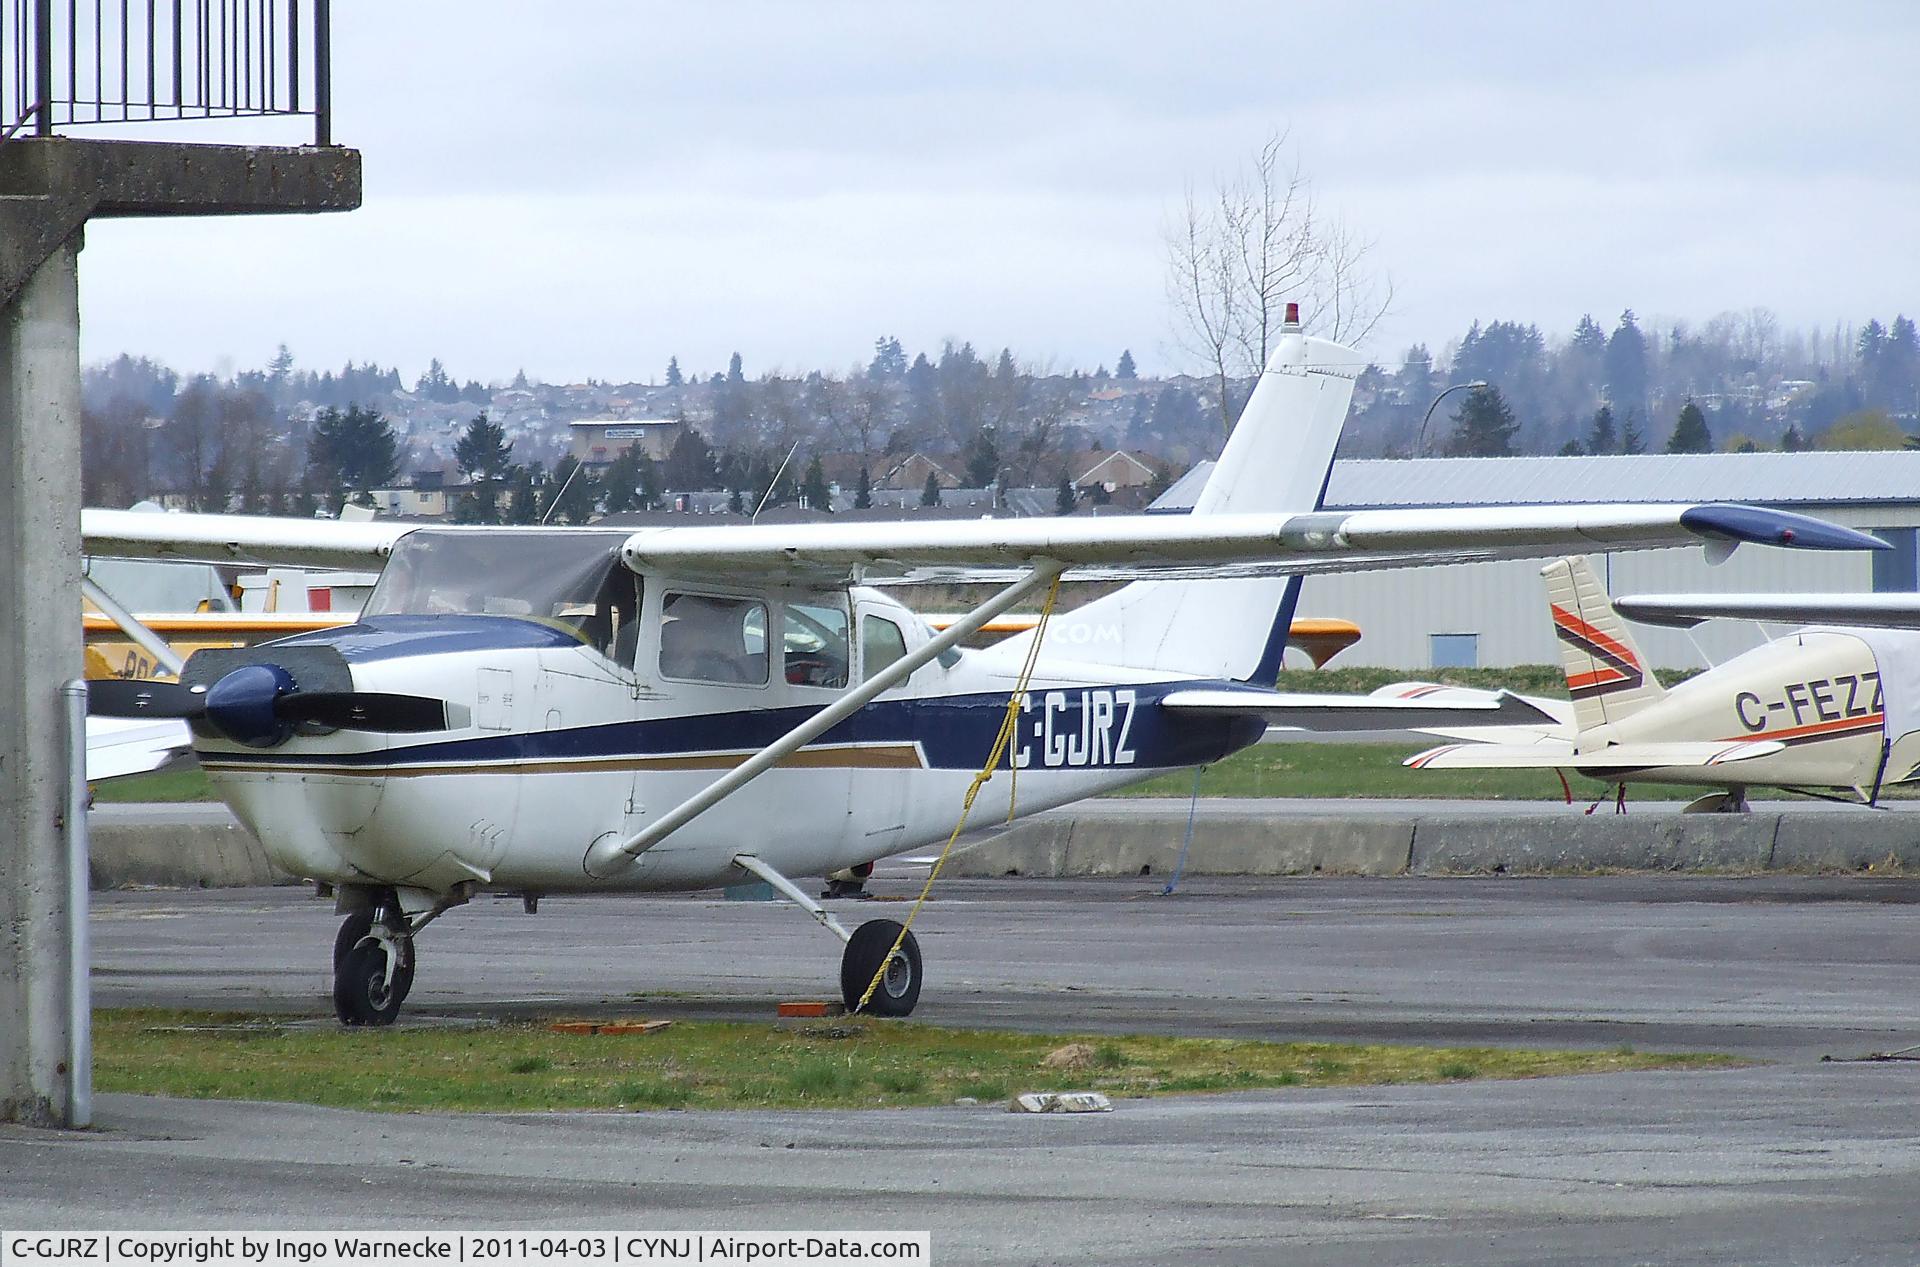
1817 691
571 735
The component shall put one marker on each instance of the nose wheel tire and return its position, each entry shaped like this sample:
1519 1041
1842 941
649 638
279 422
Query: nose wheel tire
899 987
363 992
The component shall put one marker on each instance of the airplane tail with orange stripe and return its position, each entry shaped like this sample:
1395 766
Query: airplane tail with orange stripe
1606 674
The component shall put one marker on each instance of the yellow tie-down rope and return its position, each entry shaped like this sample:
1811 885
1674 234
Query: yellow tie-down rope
1000 743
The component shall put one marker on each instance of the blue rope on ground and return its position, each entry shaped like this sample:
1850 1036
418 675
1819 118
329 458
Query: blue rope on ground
1193 807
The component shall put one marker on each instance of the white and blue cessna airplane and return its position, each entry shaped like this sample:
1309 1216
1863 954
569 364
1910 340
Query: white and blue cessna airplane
594 710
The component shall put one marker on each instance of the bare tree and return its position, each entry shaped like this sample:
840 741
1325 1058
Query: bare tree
1258 241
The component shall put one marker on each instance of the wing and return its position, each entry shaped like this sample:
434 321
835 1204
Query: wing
1378 711
1887 611
1558 755
1118 547
332 543
1123 546
118 747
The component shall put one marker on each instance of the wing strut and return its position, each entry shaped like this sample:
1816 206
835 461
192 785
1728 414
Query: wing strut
609 857
150 642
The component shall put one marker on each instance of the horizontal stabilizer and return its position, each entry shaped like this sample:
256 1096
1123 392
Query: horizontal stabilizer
1683 611
1310 711
1553 755
117 748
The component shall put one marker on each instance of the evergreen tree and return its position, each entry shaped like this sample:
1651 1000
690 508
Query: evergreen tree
630 482
483 454
863 491
1483 426
983 459
1601 436
1631 441
923 394
1572 449
735 377
813 489
523 484
483 450
736 503
355 451
930 491
1793 441
1125 370
1900 366
889 358
689 465
674 377
520 382
1063 498
1588 338
572 494
1626 364
1690 434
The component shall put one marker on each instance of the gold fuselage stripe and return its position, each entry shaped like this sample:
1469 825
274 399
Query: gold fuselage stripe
873 757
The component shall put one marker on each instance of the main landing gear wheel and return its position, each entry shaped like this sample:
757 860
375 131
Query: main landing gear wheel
899 987
364 993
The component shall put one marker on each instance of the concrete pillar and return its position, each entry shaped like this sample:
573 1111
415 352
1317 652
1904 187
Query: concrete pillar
39 649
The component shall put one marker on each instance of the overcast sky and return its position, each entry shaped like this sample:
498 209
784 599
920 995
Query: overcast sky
584 189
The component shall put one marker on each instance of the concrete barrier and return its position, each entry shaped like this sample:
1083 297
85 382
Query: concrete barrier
1601 842
177 855
1224 843
1102 841
1846 842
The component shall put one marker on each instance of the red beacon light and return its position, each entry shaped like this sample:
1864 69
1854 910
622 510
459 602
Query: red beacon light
1293 316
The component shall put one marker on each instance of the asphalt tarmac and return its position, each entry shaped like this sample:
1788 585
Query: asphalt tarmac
1791 1160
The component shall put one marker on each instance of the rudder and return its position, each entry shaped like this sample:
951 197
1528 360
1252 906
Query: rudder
1607 676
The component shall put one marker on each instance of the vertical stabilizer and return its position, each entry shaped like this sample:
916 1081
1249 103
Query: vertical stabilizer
1606 674
1277 460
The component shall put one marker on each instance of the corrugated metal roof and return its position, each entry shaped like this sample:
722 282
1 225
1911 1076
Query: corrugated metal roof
1774 479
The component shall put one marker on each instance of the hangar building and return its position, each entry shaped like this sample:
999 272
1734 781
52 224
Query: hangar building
1495 615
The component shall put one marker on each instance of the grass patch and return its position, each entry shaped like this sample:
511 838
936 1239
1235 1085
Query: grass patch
1373 770
186 784
701 1064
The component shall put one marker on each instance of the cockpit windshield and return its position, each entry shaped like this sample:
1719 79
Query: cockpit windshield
569 579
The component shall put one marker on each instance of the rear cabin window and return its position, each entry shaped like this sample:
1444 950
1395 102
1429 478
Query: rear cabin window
704 638
881 643
816 644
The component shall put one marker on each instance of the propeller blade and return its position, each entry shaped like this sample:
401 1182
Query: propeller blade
135 697
369 710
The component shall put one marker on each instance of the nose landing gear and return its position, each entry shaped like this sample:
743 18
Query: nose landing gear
373 951
372 965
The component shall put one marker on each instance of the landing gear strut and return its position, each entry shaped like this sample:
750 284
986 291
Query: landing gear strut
867 947
372 964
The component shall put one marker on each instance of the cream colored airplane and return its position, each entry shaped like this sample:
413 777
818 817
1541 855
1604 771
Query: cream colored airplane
1810 712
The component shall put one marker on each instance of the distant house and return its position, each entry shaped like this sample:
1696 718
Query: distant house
911 473
595 442
413 503
1116 469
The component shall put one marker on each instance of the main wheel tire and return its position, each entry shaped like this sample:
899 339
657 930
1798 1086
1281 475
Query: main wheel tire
899 987
362 995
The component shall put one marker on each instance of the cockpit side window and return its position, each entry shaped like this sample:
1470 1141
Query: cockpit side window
816 644
881 643
704 638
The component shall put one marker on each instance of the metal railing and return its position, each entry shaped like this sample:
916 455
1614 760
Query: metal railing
68 63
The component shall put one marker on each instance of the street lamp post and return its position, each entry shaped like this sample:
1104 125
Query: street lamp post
1420 441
